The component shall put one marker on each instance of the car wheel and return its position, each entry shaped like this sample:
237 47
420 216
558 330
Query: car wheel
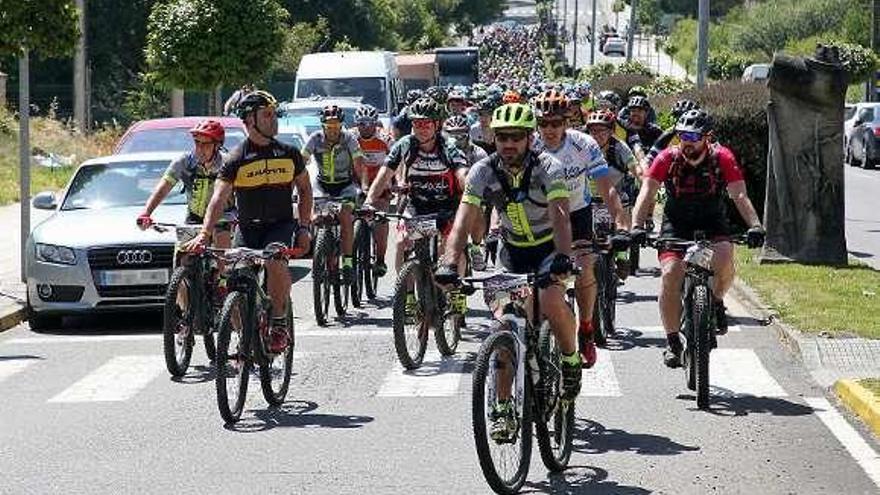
867 163
847 156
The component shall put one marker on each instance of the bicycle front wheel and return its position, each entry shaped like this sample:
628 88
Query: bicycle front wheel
504 459
277 368
700 319
554 418
178 319
410 317
360 256
321 277
233 362
600 335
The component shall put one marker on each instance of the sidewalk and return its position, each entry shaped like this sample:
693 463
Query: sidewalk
12 289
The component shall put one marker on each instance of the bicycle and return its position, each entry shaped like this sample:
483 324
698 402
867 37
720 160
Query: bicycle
698 308
605 311
364 279
191 302
243 331
325 259
527 344
418 303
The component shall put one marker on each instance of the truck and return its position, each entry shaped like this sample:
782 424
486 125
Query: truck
458 65
418 70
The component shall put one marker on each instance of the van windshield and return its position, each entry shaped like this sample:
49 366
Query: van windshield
371 89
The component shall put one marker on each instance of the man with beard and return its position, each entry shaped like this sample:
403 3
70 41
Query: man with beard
641 132
696 174
532 198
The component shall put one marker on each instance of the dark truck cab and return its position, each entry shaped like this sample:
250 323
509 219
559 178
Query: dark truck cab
458 65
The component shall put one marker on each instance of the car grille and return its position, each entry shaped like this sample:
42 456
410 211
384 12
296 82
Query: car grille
65 293
106 258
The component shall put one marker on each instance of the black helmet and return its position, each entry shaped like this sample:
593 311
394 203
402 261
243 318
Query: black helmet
413 95
682 106
639 102
456 124
332 112
694 121
611 97
437 94
425 108
637 91
253 101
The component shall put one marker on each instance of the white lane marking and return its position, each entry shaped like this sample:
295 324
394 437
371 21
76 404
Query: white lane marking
857 447
659 329
119 379
84 339
437 377
741 372
9 367
600 380
330 332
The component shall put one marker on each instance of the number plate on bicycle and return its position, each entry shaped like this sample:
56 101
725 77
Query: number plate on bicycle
417 228
700 256
186 233
501 290
327 208
603 224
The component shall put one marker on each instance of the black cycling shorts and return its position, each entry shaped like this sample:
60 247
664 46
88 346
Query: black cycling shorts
524 259
259 235
581 224
222 225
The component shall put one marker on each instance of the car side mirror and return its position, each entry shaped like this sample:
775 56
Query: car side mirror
45 201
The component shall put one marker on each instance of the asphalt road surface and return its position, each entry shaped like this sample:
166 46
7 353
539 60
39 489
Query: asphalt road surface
91 409
862 221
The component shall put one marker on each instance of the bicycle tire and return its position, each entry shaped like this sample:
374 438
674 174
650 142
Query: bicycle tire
235 306
320 281
610 313
360 262
600 336
340 290
554 444
447 334
408 360
210 342
635 253
498 341
700 314
177 358
275 397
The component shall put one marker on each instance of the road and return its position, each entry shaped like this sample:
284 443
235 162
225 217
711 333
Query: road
862 221
90 409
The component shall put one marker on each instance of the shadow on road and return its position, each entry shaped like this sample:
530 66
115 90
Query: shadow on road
129 323
197 374
591 437
296 414
581 479
723 402
21 357
629 297
628 338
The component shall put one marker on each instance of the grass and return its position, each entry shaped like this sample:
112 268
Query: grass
47 135
872 384
840 300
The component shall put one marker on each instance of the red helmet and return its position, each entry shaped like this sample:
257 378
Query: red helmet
210 129
511 96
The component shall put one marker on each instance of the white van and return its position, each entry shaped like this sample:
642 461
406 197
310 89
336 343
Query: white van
373 76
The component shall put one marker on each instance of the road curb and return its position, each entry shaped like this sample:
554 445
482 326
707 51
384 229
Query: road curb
11 316
747 296
861 401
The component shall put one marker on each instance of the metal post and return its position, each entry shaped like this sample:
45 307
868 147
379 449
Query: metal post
574 36
24 151
565 26
632 30
79 72
702 43
875 45
593 37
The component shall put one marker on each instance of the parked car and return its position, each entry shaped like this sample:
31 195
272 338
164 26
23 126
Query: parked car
614 46
293 133
88 255
862 147
756 73
312 108
850 113
172 134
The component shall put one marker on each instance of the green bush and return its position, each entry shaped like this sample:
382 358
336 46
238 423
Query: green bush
859 61
597 72
726 65
634 67
621 83
667 85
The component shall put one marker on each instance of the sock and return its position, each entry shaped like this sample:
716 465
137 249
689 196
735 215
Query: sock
346 261
573 359
586 326
279 320
673 340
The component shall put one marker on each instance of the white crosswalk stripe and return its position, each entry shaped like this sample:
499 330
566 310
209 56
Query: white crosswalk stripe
119 379
9 367
437 377
600 381
740 372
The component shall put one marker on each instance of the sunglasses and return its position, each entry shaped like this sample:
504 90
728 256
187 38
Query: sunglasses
422 123
202 142
503 137
690 137
556 124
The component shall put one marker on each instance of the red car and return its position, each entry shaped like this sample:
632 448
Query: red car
172 134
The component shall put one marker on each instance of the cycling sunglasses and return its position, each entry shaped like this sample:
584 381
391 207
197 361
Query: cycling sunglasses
556 124
503 137
690 137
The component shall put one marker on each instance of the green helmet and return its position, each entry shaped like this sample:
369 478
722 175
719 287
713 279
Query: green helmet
514 115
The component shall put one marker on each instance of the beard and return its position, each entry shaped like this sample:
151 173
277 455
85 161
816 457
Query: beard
692 153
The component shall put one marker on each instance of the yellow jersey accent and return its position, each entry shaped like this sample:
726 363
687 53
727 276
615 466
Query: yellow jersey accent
271 172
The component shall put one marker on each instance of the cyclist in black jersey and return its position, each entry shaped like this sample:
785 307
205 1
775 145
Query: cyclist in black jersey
262 172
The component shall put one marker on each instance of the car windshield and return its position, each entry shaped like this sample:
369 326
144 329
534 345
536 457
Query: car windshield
291 138
118 184
175 139
370 89
299 112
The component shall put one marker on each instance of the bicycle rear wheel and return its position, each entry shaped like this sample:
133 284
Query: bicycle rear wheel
178 319
600 333
321 278
554 418
277 368
700 317
504 465
447 333
340 289
361 261
411 319
233 362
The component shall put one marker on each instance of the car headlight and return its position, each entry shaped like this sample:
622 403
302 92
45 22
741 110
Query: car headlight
55 254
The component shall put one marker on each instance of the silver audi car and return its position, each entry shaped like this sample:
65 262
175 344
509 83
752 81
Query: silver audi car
89 255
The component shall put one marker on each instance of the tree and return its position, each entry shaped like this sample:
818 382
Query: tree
47 28
300 39
617 8
201 44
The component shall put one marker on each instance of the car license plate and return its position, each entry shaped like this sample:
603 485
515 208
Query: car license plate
133 277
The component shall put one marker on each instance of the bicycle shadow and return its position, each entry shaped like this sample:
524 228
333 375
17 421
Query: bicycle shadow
296 414
197 374
726 403
581 479
630 297
591 437
628 338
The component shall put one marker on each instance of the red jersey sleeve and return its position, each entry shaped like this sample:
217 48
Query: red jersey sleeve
727 163
659 169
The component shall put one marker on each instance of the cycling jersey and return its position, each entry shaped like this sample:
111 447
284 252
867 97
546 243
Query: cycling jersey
667 139
482 137
695 193
198 181
475 154
580 158
375 150
335 161
521 199
433 185
647 135
620 159
263 180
